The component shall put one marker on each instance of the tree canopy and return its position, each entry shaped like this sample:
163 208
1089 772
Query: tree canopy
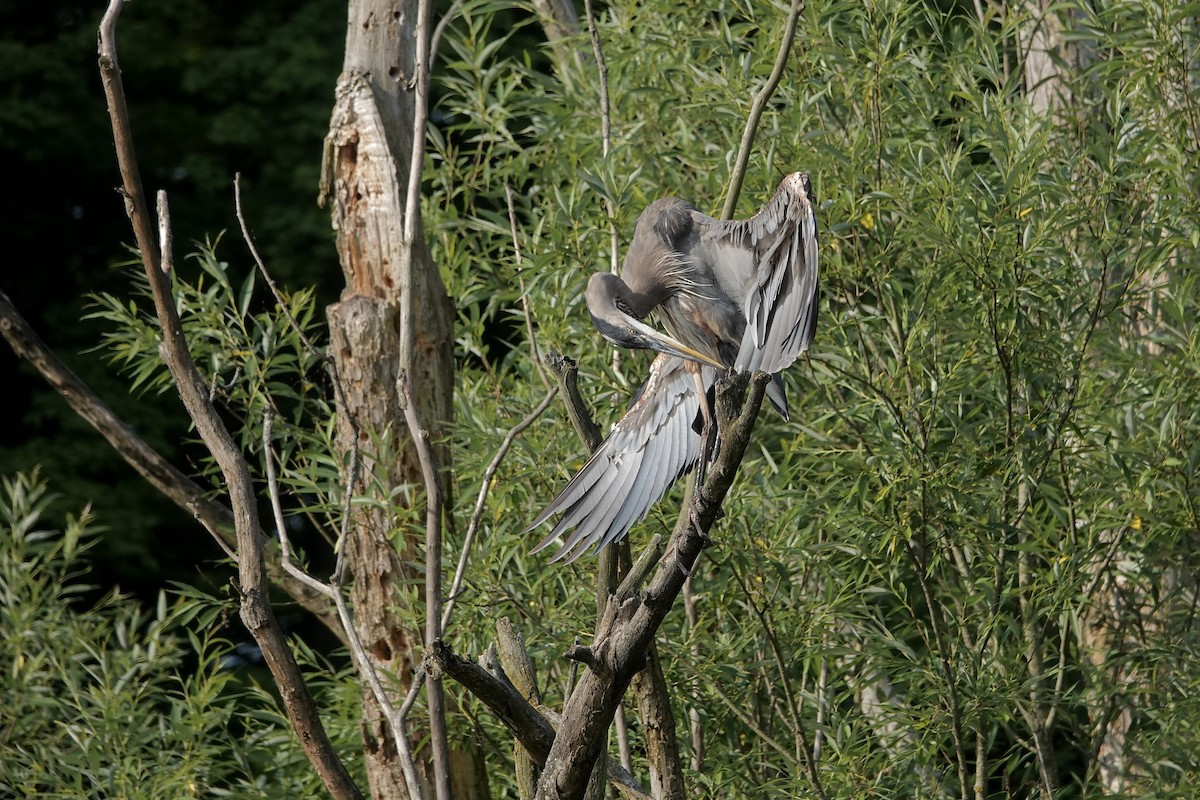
963 568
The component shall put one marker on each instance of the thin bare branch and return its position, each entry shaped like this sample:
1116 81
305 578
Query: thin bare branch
761 97
610 209
412 203
920 567
803 748
285 545
446 19
529 332
165 242
262 268
149 463
433 579
749 722
256 611
358 654
481 500
695 724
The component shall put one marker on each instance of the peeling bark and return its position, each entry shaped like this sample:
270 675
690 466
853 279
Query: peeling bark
365 176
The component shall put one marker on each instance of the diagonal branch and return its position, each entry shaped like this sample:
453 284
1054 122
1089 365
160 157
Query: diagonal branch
632 620
481 500
256 613
605 135
533 727
650 685
160 473
756 110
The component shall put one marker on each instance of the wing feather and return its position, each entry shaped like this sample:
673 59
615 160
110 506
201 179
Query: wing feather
766 267
647 451
778 295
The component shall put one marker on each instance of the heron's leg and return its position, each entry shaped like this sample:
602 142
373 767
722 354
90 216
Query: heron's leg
708 429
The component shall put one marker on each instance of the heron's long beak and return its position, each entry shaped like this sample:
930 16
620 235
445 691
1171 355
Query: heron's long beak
673 347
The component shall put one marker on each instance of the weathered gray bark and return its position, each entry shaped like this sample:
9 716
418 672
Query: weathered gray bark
1041 39
365 179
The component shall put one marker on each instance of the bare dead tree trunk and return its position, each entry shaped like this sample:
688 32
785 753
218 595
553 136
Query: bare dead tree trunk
365 178
1040 38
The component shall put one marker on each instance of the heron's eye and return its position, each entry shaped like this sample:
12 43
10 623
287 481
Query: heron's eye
633 332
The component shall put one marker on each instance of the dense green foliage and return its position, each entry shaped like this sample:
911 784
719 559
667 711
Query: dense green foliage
113 700
982 516
969 555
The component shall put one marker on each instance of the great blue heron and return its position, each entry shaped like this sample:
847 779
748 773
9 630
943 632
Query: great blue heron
738 294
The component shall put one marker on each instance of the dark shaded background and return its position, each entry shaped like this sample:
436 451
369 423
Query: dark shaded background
214 88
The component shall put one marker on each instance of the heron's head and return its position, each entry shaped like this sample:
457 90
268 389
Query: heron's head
611 304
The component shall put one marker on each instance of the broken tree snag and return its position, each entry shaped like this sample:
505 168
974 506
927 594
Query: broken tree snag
367 157
658 727
566 372
623 641
517 664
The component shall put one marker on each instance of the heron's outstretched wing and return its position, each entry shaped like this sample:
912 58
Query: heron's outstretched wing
768 263
647 451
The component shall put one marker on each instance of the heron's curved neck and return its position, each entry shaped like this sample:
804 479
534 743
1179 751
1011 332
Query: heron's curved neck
641 303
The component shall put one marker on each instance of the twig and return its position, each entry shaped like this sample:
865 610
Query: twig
804 751
314 352
756 109
920 566
446 19
333 591
695 724
165 246
262 268
285 546
256 611
420 437
610 208
749 722
433 579
533 345
477 514
412 203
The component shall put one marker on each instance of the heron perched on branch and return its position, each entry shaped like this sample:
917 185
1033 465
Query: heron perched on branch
733 294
